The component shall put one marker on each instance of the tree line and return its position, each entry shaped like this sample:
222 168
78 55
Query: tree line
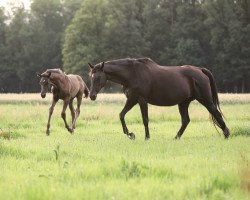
70 33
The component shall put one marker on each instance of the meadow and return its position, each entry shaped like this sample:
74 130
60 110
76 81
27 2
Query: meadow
99 162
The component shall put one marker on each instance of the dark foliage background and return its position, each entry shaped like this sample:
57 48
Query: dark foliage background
70 33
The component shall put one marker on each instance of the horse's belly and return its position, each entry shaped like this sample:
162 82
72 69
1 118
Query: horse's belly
170 96
166 100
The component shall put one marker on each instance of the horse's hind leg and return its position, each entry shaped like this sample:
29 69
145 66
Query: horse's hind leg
77 113
218 118
183 109
63 114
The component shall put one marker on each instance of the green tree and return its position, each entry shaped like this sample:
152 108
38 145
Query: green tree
3 53
17 55
85 37
126 33
230 42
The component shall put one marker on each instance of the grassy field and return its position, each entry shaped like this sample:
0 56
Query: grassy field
100 162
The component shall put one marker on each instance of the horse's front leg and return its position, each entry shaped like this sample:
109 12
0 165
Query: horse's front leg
63 114
51 109
129 104
144 112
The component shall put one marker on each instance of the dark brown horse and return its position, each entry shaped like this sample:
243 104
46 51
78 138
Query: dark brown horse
145 82
66 88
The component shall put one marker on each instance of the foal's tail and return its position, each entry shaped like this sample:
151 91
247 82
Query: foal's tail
214 93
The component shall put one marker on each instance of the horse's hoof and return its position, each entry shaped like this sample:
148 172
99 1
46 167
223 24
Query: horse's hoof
226 133
131 136
177 137
147 138
47 132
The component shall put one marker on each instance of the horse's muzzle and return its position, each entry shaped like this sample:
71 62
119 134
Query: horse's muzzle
93 97
43 95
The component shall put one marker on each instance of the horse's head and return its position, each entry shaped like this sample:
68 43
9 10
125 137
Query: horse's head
44 82
98 79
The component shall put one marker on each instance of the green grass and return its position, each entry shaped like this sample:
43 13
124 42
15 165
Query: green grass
100 162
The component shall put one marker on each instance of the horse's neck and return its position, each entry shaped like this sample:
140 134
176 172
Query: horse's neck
117 73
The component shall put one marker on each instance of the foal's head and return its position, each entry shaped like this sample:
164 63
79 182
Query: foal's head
98 79
44 82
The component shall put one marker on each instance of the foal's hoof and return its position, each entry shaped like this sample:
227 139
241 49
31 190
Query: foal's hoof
131 136
47 132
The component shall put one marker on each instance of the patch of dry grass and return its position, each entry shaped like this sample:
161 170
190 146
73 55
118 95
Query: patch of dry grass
245 173
110 98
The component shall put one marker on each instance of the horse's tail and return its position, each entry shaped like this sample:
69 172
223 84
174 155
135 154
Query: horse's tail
214 93
86 91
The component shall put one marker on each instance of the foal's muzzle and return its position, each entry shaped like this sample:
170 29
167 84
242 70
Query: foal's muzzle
43 95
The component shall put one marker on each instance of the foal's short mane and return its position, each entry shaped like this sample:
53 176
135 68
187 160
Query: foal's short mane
58 71
145 60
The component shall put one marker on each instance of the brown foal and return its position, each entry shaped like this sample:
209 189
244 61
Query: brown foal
66 88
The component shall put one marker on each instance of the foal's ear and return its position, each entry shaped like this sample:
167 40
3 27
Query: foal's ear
102 65
38 75
91 66
49 73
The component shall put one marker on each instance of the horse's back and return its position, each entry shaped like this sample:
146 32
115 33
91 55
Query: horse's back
173 85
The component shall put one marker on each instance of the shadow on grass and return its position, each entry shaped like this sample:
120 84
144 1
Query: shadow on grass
209 188
241 131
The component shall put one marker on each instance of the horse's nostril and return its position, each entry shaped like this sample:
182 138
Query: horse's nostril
93 97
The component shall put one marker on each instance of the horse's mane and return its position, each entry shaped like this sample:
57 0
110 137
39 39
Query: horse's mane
127 61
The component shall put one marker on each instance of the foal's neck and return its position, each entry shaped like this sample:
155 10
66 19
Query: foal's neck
58 80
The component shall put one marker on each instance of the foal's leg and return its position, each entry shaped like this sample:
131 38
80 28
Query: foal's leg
51 109
144 112
129 104
72 110
79 101
63 114
183 110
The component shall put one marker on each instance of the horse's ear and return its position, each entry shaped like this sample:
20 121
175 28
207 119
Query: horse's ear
91 66
102 66
38 75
